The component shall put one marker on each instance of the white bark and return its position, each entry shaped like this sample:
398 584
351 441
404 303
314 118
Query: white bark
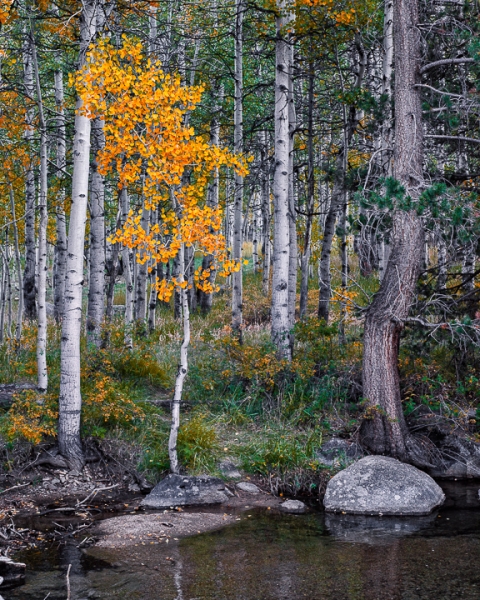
70 401
96 305
18 263
281 233
237 277
182 369
29 287
42 381
292 215
60 260
266 217
127 274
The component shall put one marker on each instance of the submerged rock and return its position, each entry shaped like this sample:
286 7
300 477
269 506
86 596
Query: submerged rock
178 490
379 485
250 488
294 507
11 573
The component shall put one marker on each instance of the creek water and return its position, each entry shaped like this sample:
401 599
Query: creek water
271 556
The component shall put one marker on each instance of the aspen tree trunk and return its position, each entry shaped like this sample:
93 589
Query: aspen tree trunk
292 213
29 287
112 279
383 430
237 277
18 263
310 201
152 303
206 299
42 381
337 198
60 260
182 369
266 216
281 207
96 305
3 294
70 401
127 274
141 279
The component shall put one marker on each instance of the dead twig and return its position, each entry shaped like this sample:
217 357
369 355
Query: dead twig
16 487
68 583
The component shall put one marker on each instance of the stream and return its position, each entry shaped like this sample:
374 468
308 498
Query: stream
271 556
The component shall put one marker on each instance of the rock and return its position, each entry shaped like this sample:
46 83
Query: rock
178 490
336 452
250 488
379 485
12 573
229 470
460 458
295 507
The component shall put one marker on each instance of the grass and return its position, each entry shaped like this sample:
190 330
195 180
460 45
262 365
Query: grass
240 402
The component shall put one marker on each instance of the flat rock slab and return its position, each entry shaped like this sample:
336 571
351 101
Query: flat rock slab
141 530
250 488
294 507
379 485
178 490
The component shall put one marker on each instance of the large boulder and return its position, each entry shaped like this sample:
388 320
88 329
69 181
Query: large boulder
378 485
178 490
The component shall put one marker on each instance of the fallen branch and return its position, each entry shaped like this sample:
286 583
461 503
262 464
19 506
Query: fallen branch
16 487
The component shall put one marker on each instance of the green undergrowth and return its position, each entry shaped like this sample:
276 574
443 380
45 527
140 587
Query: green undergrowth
240 402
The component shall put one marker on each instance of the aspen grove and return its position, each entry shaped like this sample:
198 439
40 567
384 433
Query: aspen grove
235 229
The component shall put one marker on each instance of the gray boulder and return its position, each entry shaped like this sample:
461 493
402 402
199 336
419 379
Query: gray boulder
229 470
178 490
337 452
379 485
250 488
294 507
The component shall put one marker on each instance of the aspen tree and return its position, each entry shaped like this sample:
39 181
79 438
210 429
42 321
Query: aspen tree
70 400
237 277
281 207
42 382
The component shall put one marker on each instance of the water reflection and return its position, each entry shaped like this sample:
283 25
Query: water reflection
278 557
373 529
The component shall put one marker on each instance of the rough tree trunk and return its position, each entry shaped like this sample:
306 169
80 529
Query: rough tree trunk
383 429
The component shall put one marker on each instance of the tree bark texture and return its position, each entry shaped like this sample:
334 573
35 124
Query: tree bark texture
42 374
96 306
281 206
237 276
60 220
29 286
383 429
70 400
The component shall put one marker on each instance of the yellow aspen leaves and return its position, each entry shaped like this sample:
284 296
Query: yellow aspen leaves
149 144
